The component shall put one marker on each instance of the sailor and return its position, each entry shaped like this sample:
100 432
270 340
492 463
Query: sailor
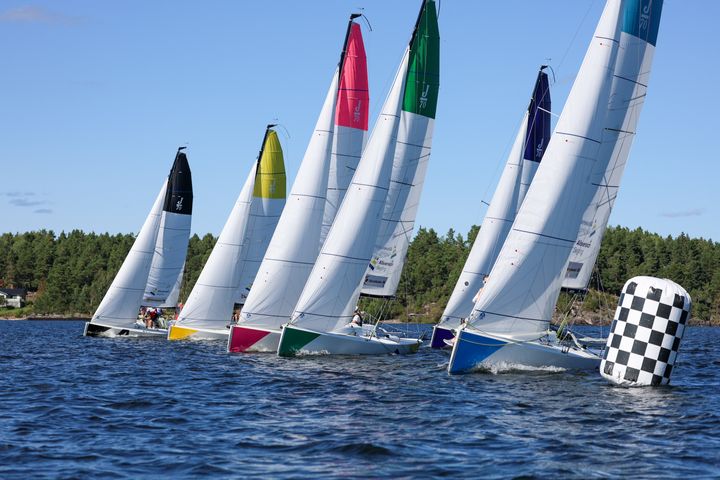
477 295
149 317
357 319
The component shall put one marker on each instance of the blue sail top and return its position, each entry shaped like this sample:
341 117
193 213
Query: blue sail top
538 128
642 19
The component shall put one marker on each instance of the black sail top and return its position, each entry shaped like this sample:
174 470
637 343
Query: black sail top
179 194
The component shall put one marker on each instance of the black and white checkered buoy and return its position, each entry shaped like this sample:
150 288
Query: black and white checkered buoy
646 332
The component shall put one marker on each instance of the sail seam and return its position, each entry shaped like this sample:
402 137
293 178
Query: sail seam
545 236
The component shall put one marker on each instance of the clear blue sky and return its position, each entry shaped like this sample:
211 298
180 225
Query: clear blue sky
96 97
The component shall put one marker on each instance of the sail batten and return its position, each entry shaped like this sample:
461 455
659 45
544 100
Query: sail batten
412 155
525 281
629 88
297 241
162 288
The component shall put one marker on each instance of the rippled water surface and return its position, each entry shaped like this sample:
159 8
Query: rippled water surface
133 408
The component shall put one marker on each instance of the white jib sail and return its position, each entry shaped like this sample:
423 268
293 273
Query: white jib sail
329 297
519 297
168 260
632 73
265 210
210 303
121 303
412 155
493 231
294 246
173 236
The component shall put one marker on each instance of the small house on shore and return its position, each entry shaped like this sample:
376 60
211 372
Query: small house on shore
12 297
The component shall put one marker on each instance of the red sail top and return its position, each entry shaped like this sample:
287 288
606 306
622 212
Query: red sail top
353 98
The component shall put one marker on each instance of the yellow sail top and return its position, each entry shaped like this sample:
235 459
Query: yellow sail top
270 181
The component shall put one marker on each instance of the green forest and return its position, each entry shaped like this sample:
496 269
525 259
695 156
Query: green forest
70 272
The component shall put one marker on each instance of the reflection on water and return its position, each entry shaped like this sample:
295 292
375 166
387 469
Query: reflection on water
76 407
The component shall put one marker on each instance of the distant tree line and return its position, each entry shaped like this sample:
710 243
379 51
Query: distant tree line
70 272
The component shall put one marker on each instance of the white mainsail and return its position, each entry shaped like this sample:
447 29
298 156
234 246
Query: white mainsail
121 303
329 296
172 238
412 155
629 88
295 244
525 156
524 284
210 303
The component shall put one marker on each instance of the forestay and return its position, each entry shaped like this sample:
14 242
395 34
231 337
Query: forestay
505 201
329 296
351 122
268 201
519 298
632 72
493 231
171 246
121 303
412 154
538 132
295 245
210 303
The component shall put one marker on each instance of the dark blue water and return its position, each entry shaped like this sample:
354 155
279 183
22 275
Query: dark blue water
131 408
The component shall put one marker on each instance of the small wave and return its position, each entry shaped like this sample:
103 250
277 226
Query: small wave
362 448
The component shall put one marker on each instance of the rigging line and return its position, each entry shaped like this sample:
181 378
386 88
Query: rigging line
577 31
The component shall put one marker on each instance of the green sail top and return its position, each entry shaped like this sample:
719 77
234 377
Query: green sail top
423 78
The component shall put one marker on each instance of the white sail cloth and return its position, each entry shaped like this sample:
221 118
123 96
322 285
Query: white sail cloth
519 298
294 246
412 155
210 303
628 91
168 260
333 288
493 231
121 303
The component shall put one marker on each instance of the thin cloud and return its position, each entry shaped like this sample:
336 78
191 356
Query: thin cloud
25 199
693 212
33 14
43 210
25 202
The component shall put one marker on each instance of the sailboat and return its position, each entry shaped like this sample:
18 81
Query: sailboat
525 156
321 319
153 269
232 265
337 139
509 324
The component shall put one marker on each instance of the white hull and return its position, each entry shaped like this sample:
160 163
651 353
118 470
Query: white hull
98 330
299 341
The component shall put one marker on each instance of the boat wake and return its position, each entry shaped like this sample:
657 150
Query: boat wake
507 367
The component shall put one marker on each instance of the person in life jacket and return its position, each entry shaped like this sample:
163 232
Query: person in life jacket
357 319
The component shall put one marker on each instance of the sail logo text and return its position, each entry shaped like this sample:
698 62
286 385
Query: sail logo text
356 112
424 96
178 205
645 18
